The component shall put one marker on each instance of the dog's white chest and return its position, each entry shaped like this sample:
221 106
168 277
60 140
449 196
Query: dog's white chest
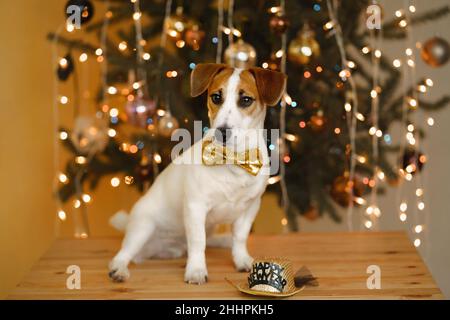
233 196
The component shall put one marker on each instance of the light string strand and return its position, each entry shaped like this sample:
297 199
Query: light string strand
282 141
333 12
219 31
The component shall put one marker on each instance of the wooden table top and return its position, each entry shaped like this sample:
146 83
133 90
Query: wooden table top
339 260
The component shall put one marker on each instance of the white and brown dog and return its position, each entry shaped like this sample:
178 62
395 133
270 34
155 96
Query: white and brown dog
186 201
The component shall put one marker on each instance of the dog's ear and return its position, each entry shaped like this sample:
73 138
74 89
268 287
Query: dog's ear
202 76
271 84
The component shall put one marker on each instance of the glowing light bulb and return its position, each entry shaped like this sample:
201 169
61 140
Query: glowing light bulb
397 63
86 198
63 178
62 215
115 182
403 207
112 132
418 229
417 243
430 121
403 217
83 57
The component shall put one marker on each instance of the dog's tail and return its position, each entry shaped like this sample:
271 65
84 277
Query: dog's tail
119 220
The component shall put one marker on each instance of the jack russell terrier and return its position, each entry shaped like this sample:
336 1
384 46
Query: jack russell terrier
187 201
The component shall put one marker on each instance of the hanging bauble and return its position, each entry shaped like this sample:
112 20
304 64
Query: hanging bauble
304 47
89 135
65 67
341 190
436 52
278 24
413 161
311 214
240 54
86 10
317 122
167 124
140 111
194 37
176 24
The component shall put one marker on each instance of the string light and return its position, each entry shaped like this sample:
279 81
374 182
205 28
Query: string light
63 135
112 132
397 63
99 52
83 57
86 198
417 243
115 182
430 121
63 100
62 215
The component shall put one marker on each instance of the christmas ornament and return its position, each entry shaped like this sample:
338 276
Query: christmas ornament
139 111
167 124
217 154
65 67
176 24
274 277
240 55
413 160
341 189
86 10
317 121
89 136
194 37
311 214
435 52
278 24
304 47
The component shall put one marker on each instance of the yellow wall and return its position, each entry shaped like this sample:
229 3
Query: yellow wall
26 206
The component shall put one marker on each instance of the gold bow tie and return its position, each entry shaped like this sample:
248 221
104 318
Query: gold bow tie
215 154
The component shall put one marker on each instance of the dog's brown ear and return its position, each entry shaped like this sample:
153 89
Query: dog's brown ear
271 84
202 76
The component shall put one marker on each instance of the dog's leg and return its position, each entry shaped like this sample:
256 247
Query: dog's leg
138 232
194 222
241 228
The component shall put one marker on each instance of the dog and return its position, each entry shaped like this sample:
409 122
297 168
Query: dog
184 204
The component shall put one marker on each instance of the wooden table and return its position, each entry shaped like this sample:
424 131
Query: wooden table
339 260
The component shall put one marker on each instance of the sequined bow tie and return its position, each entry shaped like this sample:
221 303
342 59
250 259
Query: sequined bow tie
216 154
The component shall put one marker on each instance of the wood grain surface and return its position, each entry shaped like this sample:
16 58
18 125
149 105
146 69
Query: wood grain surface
339 260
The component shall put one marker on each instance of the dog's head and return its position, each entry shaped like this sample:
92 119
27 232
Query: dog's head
237 98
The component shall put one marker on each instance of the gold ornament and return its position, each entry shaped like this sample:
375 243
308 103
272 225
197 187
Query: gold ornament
89 135
436 52
167 124
304 47
216 154
240 55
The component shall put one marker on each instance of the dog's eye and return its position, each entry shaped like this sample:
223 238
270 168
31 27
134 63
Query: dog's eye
245 101
216 98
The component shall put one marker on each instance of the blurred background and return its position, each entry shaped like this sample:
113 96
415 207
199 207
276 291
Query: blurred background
30 216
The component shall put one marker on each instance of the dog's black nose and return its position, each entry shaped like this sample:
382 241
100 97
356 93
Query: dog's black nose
222 134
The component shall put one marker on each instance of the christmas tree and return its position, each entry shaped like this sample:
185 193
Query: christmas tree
334 64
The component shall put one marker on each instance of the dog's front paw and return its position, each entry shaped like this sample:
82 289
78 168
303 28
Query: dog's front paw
243 263
196 275
118 271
